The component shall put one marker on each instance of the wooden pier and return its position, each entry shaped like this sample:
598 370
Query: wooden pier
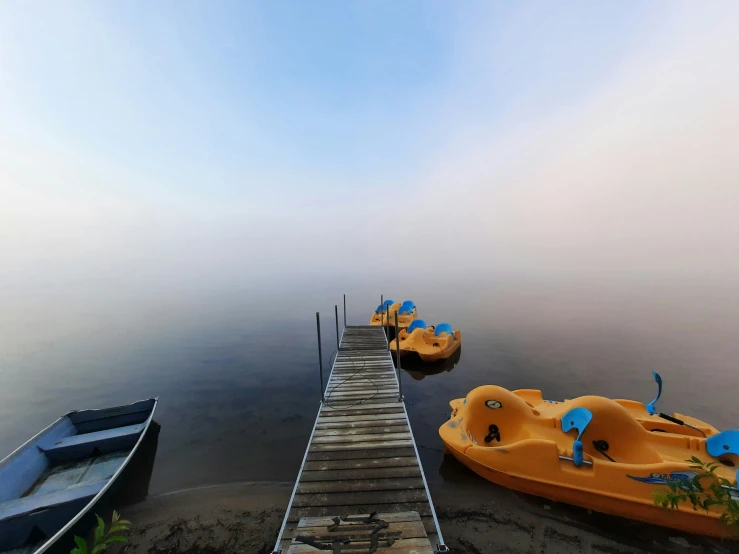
361 487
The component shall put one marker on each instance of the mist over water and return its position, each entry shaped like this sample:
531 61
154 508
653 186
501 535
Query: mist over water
236 369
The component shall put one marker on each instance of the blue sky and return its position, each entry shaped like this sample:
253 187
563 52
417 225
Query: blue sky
208 98
245 128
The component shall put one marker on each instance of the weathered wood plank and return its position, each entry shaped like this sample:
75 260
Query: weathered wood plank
363 385
399 427
368 445
411 529
332 511
362 473
363 393
357 425
293 518
347 439
363 366
367 464
360 381
360 454
389 408
356 485
377 406
389 517
366 369
345 363
366 358
329 416
347 403
367 390
359 498
353 394
410 546
366 361
400 527
372 397
363 377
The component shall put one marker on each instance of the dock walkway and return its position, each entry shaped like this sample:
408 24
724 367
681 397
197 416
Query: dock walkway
361 460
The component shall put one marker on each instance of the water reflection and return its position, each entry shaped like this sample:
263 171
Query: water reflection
133 485
238 400
418 369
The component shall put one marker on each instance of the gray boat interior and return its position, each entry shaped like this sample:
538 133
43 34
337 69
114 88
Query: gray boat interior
48 481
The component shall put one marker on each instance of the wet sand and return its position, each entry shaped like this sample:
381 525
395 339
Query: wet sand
246 517
237 517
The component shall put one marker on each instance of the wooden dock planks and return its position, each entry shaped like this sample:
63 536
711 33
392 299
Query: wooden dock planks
361 457
396 533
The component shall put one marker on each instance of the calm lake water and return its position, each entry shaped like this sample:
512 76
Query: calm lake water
237 377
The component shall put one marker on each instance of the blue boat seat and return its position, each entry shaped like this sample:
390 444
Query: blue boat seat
82 446
579 419
443 328
725 442
34 503
417 324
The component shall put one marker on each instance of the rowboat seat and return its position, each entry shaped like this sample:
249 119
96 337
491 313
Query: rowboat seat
29 504
82 446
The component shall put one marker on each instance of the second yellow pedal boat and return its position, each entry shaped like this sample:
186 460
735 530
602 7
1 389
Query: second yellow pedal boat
385 314
430 343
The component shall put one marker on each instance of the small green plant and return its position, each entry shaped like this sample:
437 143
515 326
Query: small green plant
704 490
102 540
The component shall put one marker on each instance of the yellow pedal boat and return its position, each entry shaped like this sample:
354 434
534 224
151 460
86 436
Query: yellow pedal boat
430 343
379 317
590 451
385 314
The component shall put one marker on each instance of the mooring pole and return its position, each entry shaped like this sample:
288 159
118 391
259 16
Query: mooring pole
345 310
382 313
336 312
397 350
387 329
320 357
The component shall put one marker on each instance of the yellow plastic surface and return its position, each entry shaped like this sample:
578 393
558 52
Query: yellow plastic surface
404 320
527 455
426 344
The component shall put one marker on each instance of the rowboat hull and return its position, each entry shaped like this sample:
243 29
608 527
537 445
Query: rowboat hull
51 482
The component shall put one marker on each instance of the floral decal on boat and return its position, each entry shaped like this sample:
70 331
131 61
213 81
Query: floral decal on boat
664 478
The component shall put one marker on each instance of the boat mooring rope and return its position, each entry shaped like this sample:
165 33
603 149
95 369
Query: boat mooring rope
357 373
352 376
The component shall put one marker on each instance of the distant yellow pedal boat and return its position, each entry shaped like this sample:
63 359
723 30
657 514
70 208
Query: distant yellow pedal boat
602 454
379 317
385 314
430 343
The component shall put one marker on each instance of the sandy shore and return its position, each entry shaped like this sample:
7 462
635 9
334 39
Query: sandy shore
246 517
238 517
